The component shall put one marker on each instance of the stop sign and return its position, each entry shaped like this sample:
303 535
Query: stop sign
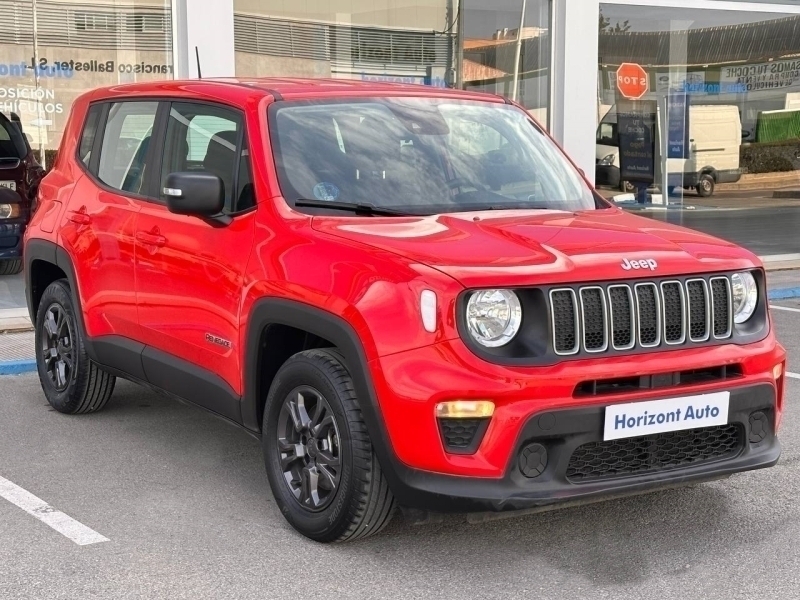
632 81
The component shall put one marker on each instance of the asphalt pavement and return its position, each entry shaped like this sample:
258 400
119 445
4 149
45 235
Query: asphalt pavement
184 503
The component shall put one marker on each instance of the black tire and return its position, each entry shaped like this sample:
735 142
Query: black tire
706 185
10 267
353 499
72 383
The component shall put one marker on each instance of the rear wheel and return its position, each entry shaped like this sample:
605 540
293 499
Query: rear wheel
706 185
322 469
72 383
10 267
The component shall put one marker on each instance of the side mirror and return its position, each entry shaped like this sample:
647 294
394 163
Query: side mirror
197 194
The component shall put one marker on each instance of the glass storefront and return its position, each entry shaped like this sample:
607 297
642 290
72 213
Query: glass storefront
705 106
51 51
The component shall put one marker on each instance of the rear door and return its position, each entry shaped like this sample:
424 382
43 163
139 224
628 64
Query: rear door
190 271
100 221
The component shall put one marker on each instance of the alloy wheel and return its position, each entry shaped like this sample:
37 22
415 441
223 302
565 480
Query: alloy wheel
309 448
57 347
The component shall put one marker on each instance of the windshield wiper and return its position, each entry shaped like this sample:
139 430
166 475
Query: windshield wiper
358 208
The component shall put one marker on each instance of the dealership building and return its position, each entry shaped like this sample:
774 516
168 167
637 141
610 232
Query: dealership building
721 97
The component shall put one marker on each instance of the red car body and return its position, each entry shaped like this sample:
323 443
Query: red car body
183 305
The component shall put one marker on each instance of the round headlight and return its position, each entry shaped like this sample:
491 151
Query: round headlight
494 317
745 296
5 211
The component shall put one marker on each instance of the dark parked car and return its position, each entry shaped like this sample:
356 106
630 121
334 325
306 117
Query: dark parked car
20 174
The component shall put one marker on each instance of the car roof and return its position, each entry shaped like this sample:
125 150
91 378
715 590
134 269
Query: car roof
240 89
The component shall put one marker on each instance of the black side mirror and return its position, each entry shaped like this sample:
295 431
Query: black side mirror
198 194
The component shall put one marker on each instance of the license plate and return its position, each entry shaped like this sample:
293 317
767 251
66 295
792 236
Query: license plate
659 416
12 185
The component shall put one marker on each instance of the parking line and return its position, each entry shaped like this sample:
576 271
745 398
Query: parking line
38 508
793 375
797 310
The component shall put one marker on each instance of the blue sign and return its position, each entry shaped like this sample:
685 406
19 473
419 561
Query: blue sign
677 125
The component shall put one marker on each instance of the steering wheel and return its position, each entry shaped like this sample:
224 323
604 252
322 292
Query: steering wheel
460 182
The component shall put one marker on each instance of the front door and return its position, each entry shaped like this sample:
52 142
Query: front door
189 271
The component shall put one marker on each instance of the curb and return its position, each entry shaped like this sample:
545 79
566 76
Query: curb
784 294
17 367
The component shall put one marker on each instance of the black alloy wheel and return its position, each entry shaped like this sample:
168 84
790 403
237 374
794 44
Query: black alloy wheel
309 448
57 349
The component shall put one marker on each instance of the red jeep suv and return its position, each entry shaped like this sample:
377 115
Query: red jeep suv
410 295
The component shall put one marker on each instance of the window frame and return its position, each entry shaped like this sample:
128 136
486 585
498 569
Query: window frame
92 168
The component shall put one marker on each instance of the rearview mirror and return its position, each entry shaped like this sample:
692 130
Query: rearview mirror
198 194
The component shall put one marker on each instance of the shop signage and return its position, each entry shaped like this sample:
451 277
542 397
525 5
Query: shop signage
632 81
763 76
636 124
677 125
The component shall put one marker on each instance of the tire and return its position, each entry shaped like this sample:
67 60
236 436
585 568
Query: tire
10 267
335 457
706 185
72 383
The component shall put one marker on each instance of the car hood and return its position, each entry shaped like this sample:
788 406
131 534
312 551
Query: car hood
510 248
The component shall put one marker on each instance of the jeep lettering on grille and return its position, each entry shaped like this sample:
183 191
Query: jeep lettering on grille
629 265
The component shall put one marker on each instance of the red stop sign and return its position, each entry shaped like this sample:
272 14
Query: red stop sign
632 81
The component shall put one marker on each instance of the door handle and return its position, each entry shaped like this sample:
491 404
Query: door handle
151 239
80 218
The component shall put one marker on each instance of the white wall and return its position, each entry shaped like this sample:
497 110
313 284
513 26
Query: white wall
208 26
574 80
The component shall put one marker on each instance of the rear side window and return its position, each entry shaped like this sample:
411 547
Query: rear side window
89 134
126 143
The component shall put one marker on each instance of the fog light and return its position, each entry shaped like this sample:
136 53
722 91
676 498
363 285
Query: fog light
533 460
465 409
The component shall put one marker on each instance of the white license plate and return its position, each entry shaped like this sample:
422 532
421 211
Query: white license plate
659 416
12 185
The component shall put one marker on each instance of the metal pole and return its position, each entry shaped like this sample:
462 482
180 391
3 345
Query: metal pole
515 86
39 113
460 38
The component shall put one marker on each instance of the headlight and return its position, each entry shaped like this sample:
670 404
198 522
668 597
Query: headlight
494 317
745 296
9 211
608 160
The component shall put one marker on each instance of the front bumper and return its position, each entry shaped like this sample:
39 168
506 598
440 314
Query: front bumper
407 386
11 240
569 429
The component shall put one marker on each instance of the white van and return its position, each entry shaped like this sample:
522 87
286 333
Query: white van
715 139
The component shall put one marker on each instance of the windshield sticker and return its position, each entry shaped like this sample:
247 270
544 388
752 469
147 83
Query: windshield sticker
326 191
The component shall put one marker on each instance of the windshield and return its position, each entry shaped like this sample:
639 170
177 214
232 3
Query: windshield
421 156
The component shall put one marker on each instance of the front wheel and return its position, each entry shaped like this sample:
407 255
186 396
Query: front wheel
706 185
320 463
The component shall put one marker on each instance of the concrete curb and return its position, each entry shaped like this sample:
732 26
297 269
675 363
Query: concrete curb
17 367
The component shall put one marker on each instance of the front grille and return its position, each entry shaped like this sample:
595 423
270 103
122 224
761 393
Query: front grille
654 453
620 317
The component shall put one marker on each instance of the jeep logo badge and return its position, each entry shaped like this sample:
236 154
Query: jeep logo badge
629 265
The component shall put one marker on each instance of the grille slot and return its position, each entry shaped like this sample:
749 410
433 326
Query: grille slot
594 315
674 312
564 309
623 317
594 319
699 310
654 453
649 315
721 307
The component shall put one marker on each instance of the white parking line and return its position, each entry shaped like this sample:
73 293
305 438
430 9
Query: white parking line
793 375
772 306
38 508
